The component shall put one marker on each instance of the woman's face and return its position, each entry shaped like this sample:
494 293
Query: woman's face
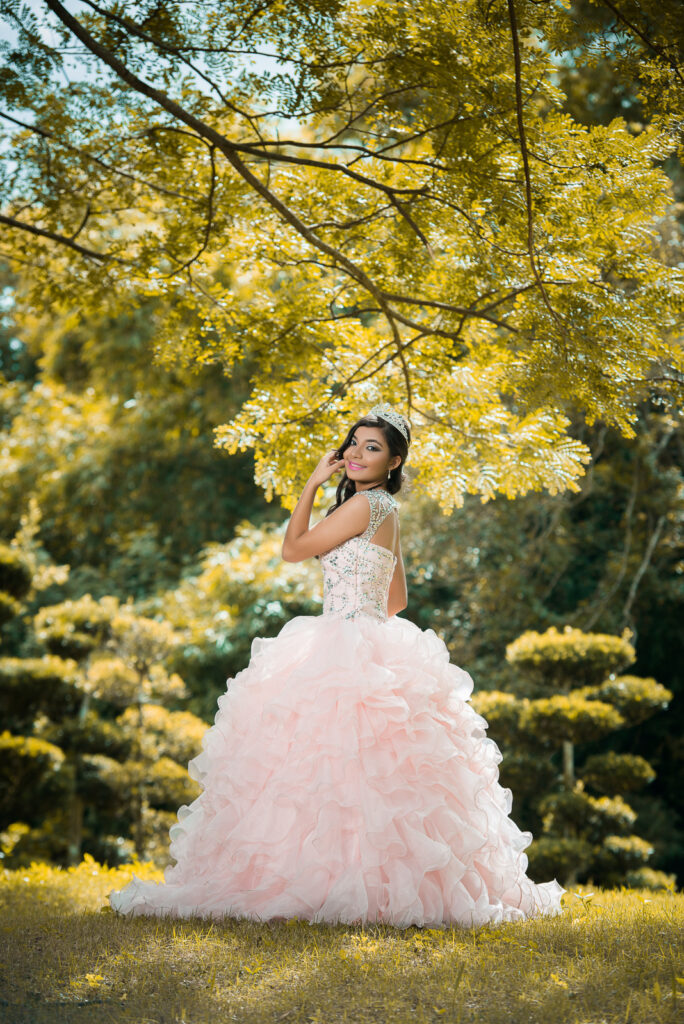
367 458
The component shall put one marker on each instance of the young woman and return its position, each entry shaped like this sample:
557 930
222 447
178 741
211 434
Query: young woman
346 778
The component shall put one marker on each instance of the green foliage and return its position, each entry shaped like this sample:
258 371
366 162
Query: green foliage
105 774
620 854
243 589
635 698
32 568
586 817
27 766
9 608
616 773
647 878
74 629
586 835
50 685
503 711
15 574
127 482
112 680
86 733
101 781
129 485
141 644
526 772
571 657
168 785
444 234
569 717
552 856
172 734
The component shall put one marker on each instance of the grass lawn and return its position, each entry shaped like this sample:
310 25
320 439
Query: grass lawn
66 957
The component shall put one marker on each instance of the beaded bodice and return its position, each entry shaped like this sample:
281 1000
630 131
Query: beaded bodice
357 573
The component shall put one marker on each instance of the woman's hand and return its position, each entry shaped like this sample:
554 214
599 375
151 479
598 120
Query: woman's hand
329 464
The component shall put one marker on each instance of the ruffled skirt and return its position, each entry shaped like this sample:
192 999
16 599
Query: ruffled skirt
347 779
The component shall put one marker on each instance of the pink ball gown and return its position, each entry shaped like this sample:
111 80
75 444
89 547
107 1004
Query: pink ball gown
347 778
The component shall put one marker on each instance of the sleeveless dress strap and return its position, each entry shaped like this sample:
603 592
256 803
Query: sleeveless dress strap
381 504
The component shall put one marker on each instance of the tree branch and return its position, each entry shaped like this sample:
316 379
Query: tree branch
643 37
447 307
612 590
209 219
526 165
643 566
70 148
130 26
54 236
389 190
229 150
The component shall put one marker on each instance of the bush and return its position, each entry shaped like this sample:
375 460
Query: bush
169 785
619 854
569 717
648 878
156 827
501 710
22 844
9 608
174 734
565 810
616 773
15 574
635 698
28 685
569 658
73 629
609 815
28 770
89 734
110 679
555 857
101 781
527 775
578 813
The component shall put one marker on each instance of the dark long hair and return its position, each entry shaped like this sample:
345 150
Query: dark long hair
397 444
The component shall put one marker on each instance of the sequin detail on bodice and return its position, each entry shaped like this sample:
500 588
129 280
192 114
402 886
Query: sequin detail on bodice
357 573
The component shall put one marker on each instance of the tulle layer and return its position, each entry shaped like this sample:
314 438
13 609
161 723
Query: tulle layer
347 779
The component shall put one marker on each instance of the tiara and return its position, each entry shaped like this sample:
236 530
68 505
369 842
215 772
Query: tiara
386 412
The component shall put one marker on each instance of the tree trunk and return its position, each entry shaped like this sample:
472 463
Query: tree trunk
139 834
568 765
569 785
76 805
141 803
75 828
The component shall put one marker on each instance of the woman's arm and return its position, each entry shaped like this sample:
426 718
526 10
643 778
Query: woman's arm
350 519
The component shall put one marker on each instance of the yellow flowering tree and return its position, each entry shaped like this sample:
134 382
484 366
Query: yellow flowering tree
361 201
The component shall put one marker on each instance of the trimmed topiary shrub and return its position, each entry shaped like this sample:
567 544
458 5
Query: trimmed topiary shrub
15 573
617 773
